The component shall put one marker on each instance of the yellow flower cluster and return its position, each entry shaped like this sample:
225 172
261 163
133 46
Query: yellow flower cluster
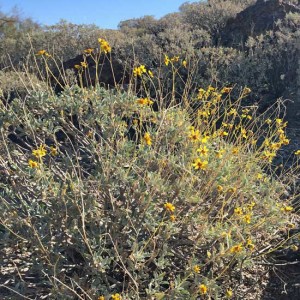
140 70
39 153
174 59
271 147
167 60
213 94
104 46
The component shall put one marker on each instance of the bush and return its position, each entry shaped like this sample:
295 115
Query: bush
16 84
115 199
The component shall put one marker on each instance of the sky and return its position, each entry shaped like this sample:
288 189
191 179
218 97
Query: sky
104 13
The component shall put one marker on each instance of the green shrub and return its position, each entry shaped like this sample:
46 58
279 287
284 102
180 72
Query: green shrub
16 84
116 199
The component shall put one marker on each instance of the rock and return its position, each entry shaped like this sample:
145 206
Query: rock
256 19
111 72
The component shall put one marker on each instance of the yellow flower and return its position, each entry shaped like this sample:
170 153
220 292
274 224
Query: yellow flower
210 89
167 60
203 113
194 135
201 93
184 63
220 188
231 190
247 219
116 296
268 121
199 164
226 90
269 155
143 69
285 141
235 150
280 131
275 146
104 46
39 152
84 64
250 245
53 151
203 289
172 218
205 139
291 225
236 248
147 138
294 248
101 298
150 73
33 164
238 211
175 59
219 154
251 205
229 294
232 111
139 71
297 152
244 133
223 133
144 101
278 121
43 53
203 150
196 269
88 51
169 207
287 208
246 90
225 234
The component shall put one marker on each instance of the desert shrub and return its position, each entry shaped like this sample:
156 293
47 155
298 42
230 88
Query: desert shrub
16 84
115 199
212 15
270 64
